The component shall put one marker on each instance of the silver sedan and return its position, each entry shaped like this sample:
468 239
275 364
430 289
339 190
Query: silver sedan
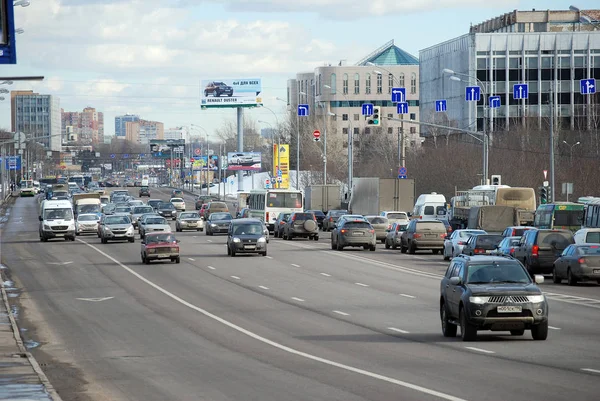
455 242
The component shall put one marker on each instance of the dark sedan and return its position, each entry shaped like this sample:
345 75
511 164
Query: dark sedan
246 236
218 223
166 209
578 263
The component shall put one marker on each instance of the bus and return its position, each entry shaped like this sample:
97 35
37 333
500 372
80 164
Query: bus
26 188
559 215
591 215
266 204
79 179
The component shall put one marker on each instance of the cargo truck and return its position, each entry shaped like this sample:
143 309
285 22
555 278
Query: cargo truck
86 203
322 197
371 195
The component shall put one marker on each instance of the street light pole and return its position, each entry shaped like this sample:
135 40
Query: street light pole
571 149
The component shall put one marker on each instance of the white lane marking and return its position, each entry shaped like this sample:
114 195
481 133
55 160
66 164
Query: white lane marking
419 257
295 265
591 370
274 344
485 351
236 277
95 299
195 236
325 274
269 257
398 330
192 259
572 299
208 240
210 267
553 328
362 285
60 263
407 296
263 287
298 299
339 312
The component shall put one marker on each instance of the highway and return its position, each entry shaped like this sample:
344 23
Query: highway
304 323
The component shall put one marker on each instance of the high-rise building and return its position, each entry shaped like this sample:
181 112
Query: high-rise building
38 116
132 131
550 51
120 124
151 130
88 125
343 89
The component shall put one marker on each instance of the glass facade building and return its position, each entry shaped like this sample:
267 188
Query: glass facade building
38 116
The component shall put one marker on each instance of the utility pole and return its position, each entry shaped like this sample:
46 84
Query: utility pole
324 144
552 190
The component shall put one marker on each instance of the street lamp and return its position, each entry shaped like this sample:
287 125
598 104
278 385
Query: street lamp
455 76
571 146
207 161
275 162
22 3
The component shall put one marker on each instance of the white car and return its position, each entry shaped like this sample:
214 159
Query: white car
87 223
241 158
454 245
179 204
150 224
395 216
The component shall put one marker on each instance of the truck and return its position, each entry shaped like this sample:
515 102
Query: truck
520 200
493 219
372 195
86 203
322 197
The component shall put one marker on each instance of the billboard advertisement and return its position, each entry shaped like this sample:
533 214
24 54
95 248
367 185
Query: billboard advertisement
281 166
249 161
200 163
230 92
12 163
162 147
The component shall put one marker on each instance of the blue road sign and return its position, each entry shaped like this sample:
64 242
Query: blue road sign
587 86
494 102
520 91
472 93
112 156
398 95
279 173
125 156
303 110
279 179
142 155
402 108
367 109
402 172
440 105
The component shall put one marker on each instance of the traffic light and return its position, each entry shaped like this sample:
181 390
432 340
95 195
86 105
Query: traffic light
543 192
375 119
496 179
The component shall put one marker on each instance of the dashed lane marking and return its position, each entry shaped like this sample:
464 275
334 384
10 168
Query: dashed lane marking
325 274
236 277
263 287
339 312
362 285
485 351
398 330
298 299
407 296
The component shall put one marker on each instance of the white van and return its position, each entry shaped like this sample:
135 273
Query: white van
587 236
430 206
56 220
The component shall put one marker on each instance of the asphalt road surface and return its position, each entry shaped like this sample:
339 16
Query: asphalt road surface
304 323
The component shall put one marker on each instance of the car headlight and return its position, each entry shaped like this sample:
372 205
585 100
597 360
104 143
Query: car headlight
236 240
174 249
130 230
151 250
47 227
478 300
71 226
262 239
536 298
107 229
213 225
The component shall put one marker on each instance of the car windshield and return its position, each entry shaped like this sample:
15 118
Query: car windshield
357 224
87 217
122 209
221 216
167 206
503 272
248 229
157 238
88 208
377 220
156 220
154 202
117 220
58 214
397 216
304 216
142 209
189 215
592 250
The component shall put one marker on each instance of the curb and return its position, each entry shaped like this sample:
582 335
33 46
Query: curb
23 350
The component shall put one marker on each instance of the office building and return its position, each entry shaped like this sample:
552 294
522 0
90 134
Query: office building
38 116
549 51
120 124
342 89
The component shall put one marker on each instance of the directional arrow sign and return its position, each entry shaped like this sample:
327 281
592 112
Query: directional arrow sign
495 102
440 105
472 93
520 91
303 110
95 299
402 108
587 86
367 109
398 95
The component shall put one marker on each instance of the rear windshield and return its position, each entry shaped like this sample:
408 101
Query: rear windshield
378 220
221 216
142 210
431 225
220 205
468 234
338 213
561 240
397 216
589 250
123 209
592 238
488 241
357 224
176 200
304 216
156 220
517 232
428 211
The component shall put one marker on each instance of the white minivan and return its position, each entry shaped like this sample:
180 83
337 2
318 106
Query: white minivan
56 220
430 206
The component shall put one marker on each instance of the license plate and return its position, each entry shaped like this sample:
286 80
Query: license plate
59 235
358 233
164 255
249 246
596 271
510 309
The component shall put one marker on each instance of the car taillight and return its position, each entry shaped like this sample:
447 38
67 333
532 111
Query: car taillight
512 251
371 231
582 261
479 250
331 219
442 236
267 216
535 250
343 231
417 236
293 218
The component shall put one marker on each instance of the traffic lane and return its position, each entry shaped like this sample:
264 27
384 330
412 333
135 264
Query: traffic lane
134 347
249 263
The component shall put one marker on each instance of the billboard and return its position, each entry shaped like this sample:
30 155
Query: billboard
12 163
249 161
200 163
281 165
161 148
230 92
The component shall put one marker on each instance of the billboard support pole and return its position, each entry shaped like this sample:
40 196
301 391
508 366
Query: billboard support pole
240 138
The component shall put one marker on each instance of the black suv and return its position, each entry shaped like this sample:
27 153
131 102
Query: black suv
217 89
301 224
491 293
144 191
539 248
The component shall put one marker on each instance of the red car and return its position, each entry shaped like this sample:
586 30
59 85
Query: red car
160 245
203 209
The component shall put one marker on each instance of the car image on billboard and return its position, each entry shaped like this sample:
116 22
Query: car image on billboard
249 161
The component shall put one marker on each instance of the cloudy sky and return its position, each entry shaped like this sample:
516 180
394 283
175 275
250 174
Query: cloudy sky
147 57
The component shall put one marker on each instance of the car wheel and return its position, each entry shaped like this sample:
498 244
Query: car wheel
103 240
446 257
403 249
147 261
339 247
517 332
373 248
366 247
333 245
264 253
555 278
233 253
571 279
143 259
132 239
77 234
412 248
387 246
316 238
290 237
448 328
539 332
207 232
468 332
177 259
435 251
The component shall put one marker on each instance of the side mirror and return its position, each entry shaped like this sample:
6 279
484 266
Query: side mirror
40 218
455 280
539 279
